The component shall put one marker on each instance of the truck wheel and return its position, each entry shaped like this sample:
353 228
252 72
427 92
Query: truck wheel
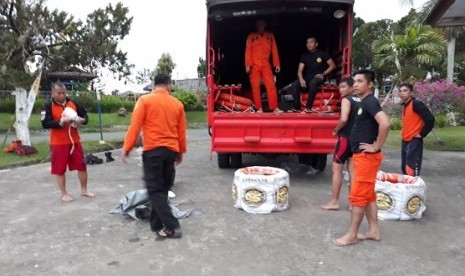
307 159
236 160
223 160
320 163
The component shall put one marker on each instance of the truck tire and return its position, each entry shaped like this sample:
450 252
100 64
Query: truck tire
307 159
316 160
236 160
223 160
320 163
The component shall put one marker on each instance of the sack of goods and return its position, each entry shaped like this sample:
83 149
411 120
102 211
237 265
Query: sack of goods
261 190
400 197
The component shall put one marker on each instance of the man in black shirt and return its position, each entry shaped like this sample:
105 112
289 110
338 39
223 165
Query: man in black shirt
370 130
313 68
342 151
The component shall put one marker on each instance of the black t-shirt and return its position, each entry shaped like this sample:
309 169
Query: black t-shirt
365 129
354 105
315 63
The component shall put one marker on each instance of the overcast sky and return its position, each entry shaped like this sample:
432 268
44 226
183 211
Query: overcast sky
178 27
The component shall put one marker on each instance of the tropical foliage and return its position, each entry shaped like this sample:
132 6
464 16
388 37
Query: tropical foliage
441 96
31 33
417 46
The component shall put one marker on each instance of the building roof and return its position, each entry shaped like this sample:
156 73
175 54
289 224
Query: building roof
73 73
447 13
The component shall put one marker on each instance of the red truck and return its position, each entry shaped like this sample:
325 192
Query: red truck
234 128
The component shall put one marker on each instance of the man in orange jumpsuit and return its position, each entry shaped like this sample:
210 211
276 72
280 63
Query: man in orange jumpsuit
260 45
162 119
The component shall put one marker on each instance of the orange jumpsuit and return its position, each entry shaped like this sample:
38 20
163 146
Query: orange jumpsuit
257 56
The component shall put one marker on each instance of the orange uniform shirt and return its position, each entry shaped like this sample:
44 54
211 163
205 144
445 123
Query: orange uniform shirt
412 123
61 136
258 49
162 119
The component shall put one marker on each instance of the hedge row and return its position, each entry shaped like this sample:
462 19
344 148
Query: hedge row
109 104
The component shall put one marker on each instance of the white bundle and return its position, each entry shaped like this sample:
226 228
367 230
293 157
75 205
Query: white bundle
71 114
400 197
261 190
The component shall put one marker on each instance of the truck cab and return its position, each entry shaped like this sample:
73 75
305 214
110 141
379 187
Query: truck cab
234 127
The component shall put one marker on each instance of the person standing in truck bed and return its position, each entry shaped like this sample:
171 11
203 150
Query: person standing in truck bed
260 45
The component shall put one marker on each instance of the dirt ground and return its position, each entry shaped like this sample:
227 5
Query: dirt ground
42 236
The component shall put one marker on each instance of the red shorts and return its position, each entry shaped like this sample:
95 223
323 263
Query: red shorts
362 189
60 157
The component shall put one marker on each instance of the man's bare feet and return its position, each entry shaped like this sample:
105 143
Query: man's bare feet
345 240
66 198
330 206
88 194
370 235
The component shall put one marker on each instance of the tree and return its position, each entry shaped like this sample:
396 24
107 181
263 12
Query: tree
450 33
362 53
419 45
145 76
202 68
165 64
30 32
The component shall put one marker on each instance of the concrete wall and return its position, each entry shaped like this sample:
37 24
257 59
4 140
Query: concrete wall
193 85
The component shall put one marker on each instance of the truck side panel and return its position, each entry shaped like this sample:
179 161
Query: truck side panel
271 133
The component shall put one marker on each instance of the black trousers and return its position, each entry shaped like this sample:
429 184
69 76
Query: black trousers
312 87
412 156
158 175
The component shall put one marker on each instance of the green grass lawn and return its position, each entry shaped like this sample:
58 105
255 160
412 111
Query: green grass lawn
43 153
109 120
453 139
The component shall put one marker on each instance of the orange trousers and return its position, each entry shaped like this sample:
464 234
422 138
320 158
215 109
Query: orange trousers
362 189
264 73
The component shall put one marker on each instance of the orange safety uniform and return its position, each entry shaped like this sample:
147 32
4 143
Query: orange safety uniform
362 188
162 119
257 56
61 135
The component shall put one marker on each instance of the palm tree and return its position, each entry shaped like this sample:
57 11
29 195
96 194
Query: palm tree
450 33
419 45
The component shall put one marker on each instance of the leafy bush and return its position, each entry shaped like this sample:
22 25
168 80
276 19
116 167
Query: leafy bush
111 104
396 124
38 105
440 121
189 100
393 110
441 96
129 105
8 105
86 99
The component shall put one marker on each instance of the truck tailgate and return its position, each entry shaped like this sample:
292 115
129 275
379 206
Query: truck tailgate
273 133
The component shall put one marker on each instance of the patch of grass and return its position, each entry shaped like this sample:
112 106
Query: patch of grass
452 139
8 160
108 120
196 116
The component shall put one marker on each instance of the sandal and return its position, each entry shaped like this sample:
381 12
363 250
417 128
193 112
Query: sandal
308 110
169 234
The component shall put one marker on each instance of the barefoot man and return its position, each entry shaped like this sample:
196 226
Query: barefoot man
65 146
368 134
342 151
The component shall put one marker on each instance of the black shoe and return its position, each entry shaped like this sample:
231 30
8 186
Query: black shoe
88 160
108 156
92 159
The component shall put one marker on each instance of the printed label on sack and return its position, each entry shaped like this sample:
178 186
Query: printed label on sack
384 201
